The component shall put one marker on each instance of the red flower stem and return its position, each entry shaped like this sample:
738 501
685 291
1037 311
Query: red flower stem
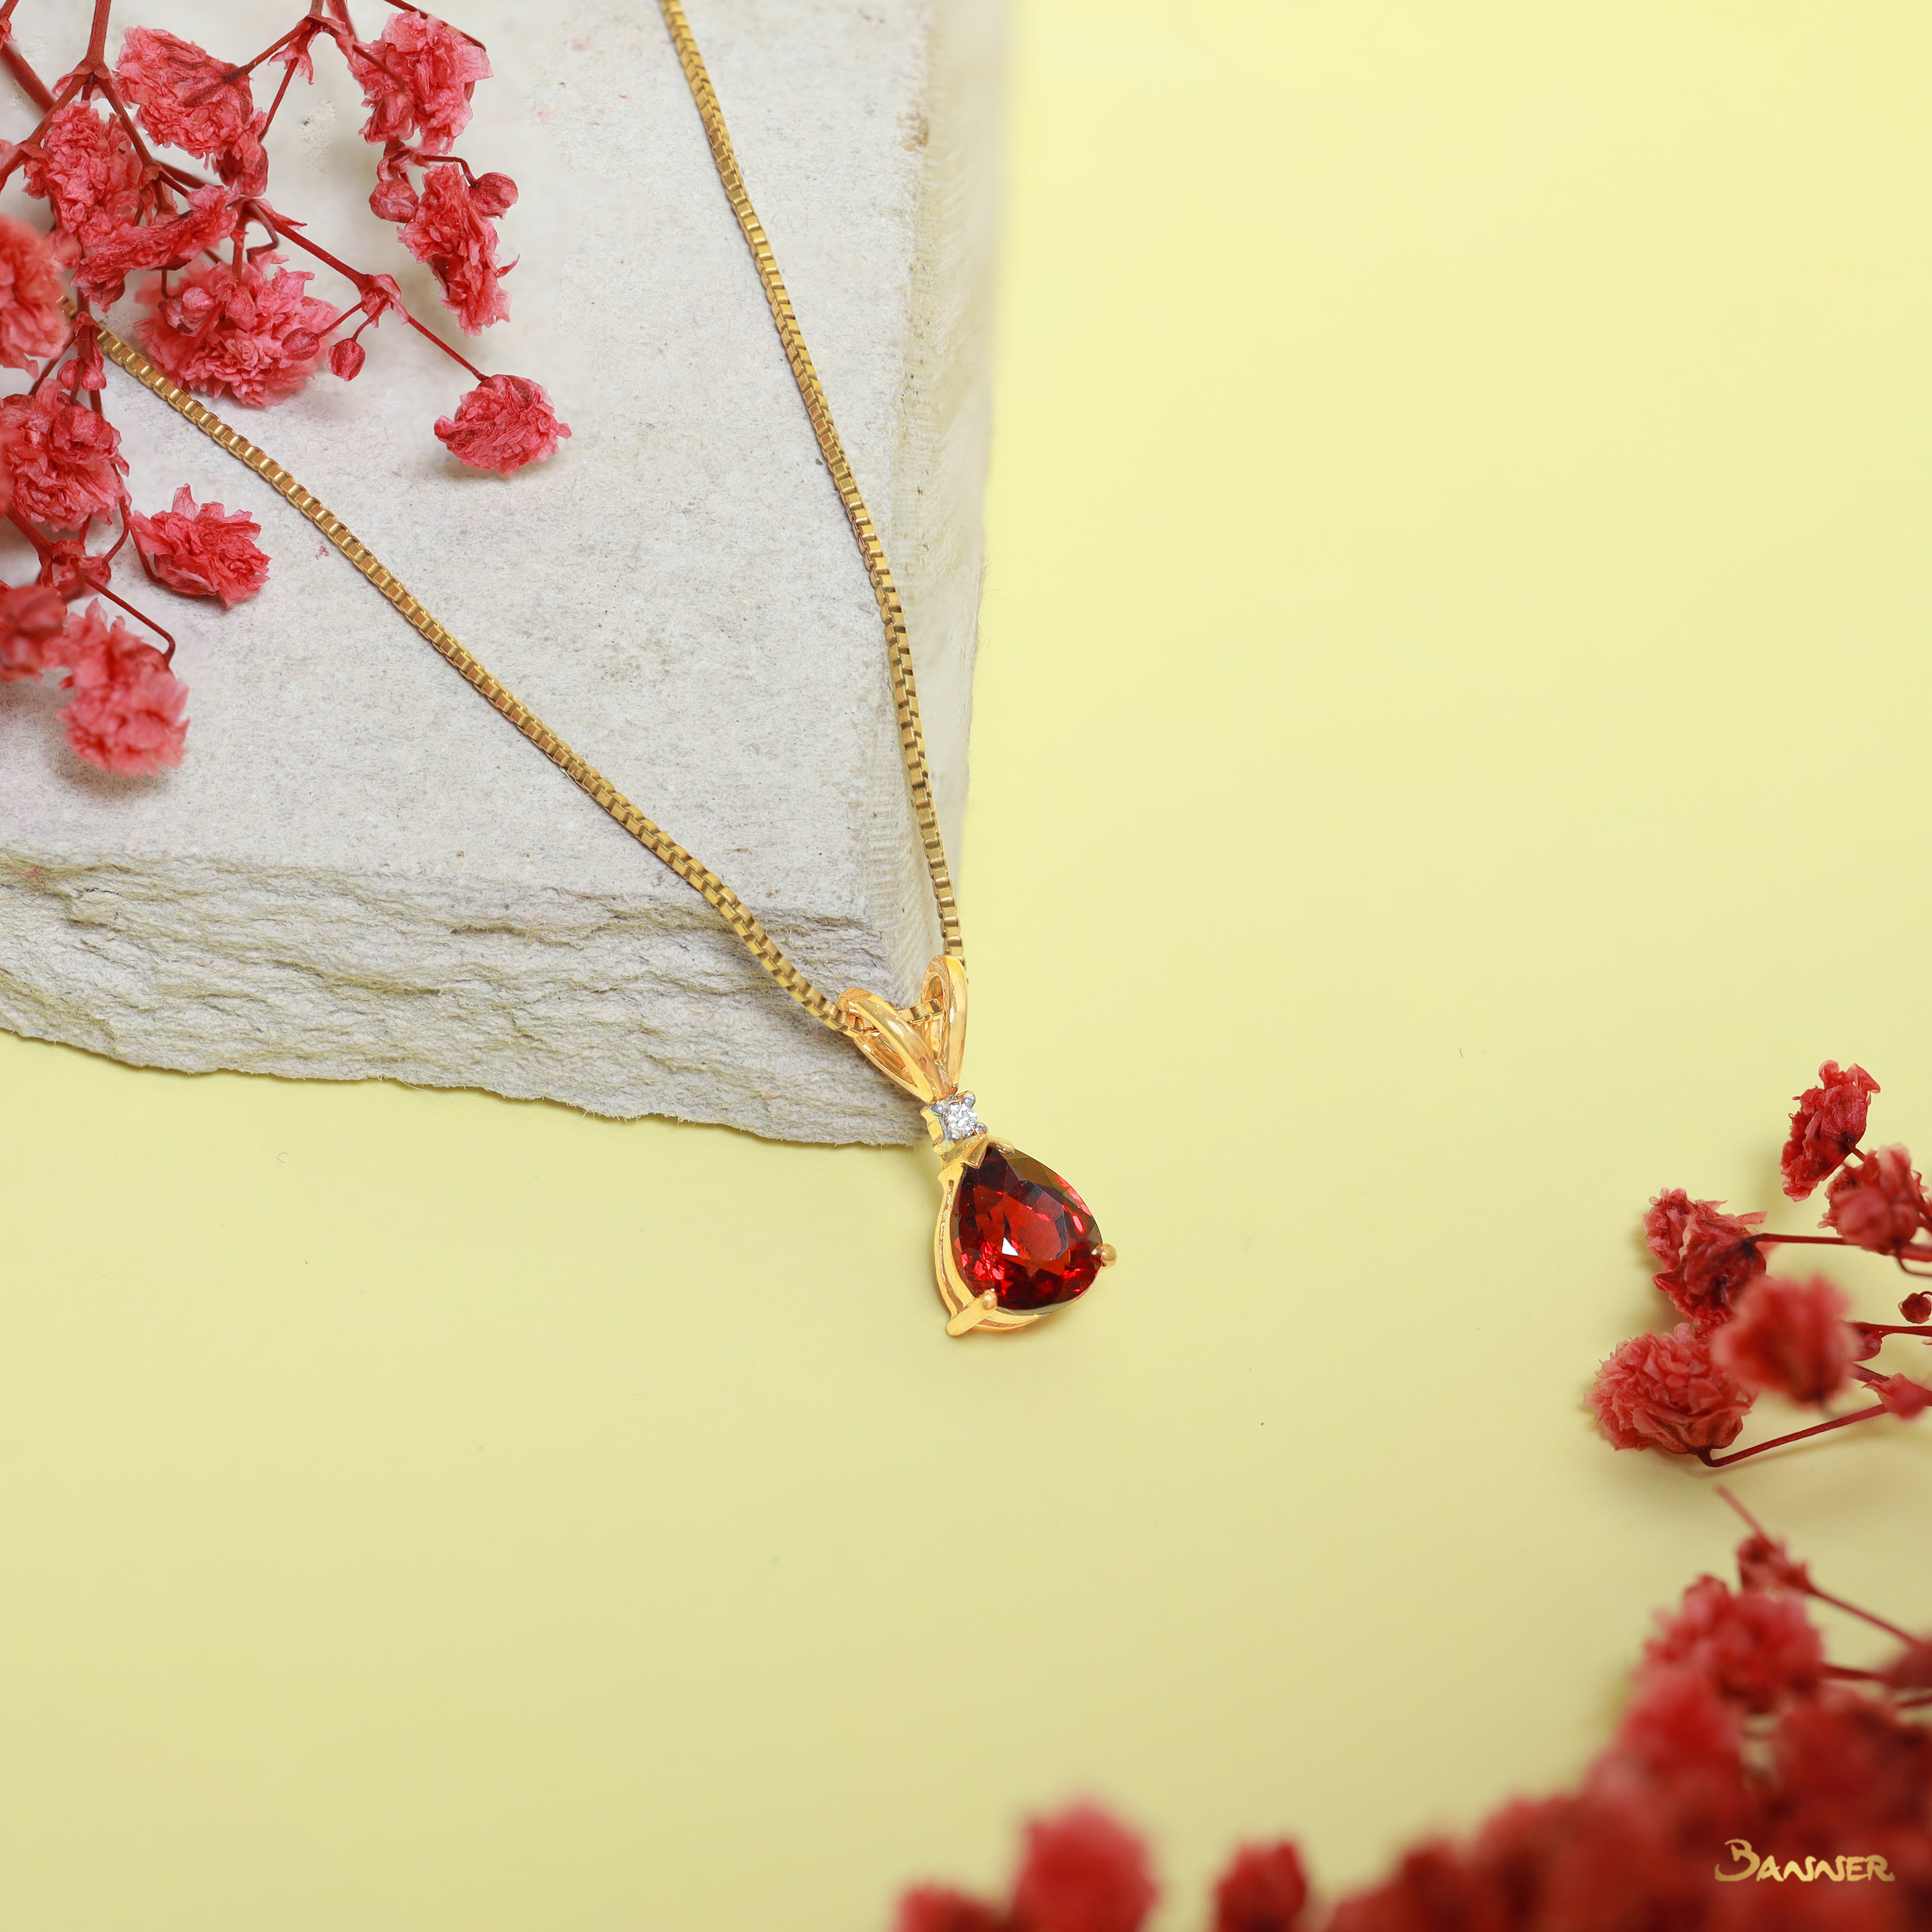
1901 1256
1897 1328
275 106
111 95
1711 1462
139 617
275 45
361 281
69 87
1845 1672
31 84
97 40
27 530
1852 1610
52 363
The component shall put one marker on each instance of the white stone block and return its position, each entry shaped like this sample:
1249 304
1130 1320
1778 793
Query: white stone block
360 869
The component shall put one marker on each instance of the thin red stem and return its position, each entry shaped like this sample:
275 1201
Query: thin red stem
1711 1462
139 617
32 535
31 84
275 106
97 40
52 363
363 282
273 46
469 173
1853 1610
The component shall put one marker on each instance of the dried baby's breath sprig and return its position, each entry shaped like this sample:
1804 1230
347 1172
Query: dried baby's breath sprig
226 315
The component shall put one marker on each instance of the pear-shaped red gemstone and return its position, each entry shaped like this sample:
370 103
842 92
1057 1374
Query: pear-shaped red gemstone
1018 1229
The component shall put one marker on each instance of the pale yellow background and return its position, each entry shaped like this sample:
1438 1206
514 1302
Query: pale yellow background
1449 760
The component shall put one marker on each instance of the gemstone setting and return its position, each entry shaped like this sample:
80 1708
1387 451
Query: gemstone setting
956 1118
1021 1234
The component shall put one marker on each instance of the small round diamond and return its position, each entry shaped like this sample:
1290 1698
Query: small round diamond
955 1116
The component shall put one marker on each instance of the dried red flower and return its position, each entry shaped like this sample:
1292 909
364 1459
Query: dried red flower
1847 1762
1917 1307
32 322
1764 1563
1711 1256
64 459
394 197
86 166
1790 1336
101 274
1829 1123
1868 1339
71 569
1901 1395
493 194
1757 1647
451 234
1082 1872
1679 1719
256 336
417 80
504 423
1665 1222
203 551
31 616
1666 1392
186 99
1911 1669
1264 1889
1878 1201
935 1908
127 713
1433 1889
1740 1749
346 359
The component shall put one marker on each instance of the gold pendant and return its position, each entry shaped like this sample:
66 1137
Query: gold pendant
1014 1241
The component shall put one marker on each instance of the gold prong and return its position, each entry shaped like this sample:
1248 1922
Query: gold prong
954 1156
1107 1253
975 1312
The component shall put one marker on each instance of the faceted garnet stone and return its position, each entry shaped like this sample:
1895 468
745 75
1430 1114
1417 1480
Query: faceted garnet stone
1018 1229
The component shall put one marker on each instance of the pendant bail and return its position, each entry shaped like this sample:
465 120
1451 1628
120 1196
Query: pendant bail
921 1049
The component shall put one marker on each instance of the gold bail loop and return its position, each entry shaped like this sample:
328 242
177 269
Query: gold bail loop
921 1050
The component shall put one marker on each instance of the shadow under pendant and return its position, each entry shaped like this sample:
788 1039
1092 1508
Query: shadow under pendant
1014 1241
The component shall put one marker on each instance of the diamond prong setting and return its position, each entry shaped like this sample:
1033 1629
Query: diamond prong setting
957 1120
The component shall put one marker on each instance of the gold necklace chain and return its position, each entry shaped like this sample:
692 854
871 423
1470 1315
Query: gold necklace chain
739 916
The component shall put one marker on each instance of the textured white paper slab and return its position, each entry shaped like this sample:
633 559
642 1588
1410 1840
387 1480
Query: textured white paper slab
360 869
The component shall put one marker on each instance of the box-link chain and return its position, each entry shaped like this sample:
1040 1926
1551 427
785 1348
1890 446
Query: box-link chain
739 916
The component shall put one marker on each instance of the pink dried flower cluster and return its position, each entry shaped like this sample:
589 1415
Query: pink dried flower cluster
1750 1787
220 329
203 551
225 317
1746 1332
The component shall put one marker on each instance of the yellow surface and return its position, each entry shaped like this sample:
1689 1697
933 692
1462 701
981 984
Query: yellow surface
1449 761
